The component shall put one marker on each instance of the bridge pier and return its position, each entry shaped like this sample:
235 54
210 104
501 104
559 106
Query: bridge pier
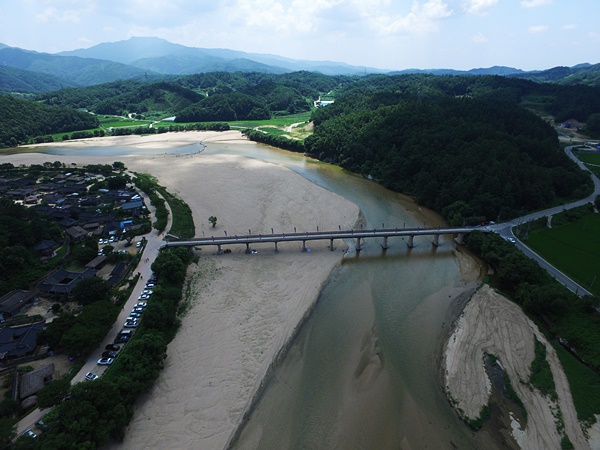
248 250
358 244
384 244
303 246
409 243
436 240
219 249
276 250
331 244
460 239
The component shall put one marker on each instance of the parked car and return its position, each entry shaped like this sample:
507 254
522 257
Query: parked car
147 292
105 361
30 433
139 309
91 376
150 285
109 354
123 336
138 244
141 305
135 314
113 347
130 324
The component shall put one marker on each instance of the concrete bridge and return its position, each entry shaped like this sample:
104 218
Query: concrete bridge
358 236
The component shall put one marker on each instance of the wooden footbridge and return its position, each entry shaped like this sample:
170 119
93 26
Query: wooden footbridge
358 236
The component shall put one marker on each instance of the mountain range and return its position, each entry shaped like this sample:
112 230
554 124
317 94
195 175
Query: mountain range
151 58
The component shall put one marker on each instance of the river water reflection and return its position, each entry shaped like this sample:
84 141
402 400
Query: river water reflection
364 370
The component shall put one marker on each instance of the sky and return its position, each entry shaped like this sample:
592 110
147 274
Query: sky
386 34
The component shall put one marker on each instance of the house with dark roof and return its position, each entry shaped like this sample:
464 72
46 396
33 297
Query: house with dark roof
63 281
97 262
76 233
118 273
33 382
19 340
45 247
13 303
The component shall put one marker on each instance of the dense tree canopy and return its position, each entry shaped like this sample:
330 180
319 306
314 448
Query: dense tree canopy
21 120
494 157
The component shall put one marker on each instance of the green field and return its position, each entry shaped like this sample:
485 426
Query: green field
574 248
116 122
279 121
589 158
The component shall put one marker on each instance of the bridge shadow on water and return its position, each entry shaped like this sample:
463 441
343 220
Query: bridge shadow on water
419 252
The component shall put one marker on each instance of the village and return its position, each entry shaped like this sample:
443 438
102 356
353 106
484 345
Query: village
94 213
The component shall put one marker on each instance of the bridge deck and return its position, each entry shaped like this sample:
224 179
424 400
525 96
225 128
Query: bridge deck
318 235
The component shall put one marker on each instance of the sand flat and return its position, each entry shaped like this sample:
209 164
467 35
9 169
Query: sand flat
244 308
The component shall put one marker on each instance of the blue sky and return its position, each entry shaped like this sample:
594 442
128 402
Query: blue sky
390 34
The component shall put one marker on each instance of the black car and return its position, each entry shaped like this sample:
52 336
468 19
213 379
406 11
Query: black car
121 339
109 354
113 347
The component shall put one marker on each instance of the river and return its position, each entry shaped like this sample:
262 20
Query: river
364 371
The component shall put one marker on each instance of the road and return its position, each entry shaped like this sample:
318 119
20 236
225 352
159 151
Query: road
504 229
154 241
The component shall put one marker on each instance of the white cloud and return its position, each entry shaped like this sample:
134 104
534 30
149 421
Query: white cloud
479 38
478 6
52 15
421 19
568 27
534 3
299 16
537 29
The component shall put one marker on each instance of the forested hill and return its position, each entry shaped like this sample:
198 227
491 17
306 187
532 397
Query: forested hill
470 159
21 120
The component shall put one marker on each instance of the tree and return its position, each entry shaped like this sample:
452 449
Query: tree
213 221
53 393
90 290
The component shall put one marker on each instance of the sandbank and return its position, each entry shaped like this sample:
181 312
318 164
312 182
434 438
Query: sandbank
243 307
492 324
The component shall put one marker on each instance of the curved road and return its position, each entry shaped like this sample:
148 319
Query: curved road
505 230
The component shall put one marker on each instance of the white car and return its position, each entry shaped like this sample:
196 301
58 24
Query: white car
511 239
105 361
91 376
131 323
30 433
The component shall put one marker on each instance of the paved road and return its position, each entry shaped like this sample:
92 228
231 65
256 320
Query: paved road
154 241
505 230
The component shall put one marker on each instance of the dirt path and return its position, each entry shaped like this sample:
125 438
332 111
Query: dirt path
492 324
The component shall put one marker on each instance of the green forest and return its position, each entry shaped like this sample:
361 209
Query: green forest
228 97
21 120
470 159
